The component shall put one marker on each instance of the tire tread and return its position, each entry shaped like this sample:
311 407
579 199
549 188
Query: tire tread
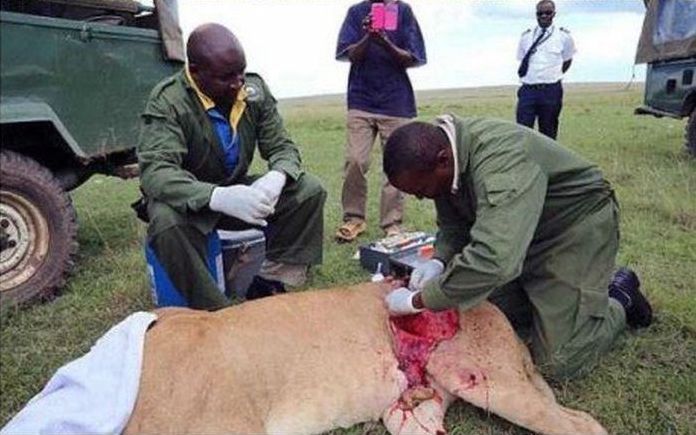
52 276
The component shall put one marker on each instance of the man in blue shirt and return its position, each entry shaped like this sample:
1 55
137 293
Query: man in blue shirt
380 99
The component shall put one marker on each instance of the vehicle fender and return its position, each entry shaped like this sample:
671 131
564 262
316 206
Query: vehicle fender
20 110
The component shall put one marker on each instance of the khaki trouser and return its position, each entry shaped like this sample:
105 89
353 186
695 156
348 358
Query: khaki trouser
362 129
293 237
560 302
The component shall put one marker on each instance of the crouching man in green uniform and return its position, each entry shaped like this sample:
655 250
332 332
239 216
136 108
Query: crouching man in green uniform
525 223
199 132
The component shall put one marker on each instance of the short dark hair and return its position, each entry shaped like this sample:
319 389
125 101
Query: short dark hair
413 146
546 1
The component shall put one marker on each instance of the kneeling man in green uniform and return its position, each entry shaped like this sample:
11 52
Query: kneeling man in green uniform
199 132
522 222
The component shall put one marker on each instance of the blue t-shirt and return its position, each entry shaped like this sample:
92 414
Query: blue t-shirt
379 84
229 139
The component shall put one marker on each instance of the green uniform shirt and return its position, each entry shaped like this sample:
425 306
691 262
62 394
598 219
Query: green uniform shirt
179 153
517 190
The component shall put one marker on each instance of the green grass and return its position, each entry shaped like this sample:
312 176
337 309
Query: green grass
647 385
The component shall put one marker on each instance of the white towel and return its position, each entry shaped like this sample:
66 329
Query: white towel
94 394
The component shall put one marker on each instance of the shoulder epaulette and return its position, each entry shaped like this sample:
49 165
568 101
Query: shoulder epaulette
526 31
252 77
164 84
563 29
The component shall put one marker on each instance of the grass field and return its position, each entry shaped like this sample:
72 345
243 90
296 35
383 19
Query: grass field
647 385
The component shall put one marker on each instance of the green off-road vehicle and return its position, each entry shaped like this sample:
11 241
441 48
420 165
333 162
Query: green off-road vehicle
668 45
74 77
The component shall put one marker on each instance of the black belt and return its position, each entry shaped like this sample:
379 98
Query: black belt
540 85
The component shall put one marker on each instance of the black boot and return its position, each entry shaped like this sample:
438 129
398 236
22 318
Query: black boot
262 287
625 288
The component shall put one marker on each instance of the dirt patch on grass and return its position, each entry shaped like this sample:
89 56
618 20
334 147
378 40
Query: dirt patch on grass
685 220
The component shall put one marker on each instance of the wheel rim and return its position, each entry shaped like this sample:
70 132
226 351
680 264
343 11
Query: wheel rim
24 239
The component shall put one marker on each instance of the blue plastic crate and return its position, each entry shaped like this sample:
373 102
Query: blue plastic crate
164 293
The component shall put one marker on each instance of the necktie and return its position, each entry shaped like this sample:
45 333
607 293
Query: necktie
524 65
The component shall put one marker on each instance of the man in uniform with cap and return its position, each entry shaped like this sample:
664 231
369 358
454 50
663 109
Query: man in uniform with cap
545 54
524 223
199 131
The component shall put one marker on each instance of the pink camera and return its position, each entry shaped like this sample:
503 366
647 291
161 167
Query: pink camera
391 15
385 16
377 14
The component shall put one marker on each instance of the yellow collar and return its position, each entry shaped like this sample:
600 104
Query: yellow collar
207 102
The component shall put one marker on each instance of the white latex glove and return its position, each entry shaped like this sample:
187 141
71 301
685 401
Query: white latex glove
272 184
242 202
427 271
400 302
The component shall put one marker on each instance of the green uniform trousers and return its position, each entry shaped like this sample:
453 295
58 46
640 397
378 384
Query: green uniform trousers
294 236
561 302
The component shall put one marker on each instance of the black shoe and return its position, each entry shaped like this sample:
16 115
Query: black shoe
625 288
262 287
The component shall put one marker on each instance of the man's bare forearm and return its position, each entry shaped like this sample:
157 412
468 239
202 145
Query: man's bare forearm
402 56
566 65
356 52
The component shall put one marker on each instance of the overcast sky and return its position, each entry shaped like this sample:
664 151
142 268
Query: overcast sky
291 43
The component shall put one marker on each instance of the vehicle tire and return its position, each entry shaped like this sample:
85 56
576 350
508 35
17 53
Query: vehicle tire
38 231
691 134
